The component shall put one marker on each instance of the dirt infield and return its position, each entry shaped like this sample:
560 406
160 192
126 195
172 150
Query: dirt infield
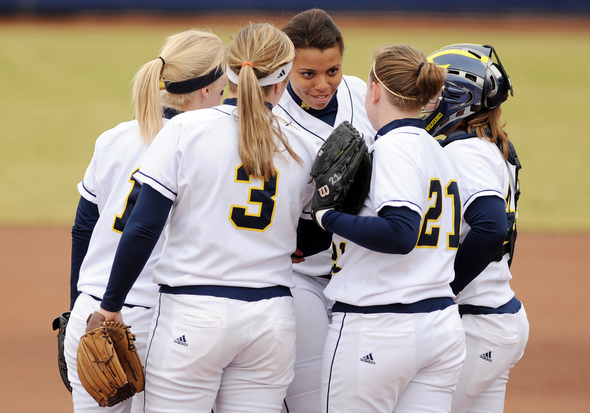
551 278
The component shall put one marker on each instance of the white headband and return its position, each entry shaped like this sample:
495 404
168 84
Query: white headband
275 77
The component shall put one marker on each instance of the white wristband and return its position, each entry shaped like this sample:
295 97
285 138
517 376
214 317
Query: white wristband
319 215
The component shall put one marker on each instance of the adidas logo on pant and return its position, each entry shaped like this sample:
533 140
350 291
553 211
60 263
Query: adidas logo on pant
181 340
368 359
486 356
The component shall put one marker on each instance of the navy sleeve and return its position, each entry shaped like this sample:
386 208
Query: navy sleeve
138 240
312 239
84 223
394 231
489 226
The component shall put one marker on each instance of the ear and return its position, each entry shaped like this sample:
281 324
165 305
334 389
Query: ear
376 96
205 92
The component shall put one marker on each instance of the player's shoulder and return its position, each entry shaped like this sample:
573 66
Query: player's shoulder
203 115
353 83
407 139
118 135
120 129
473 147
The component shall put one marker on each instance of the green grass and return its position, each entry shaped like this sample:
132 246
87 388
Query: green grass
64 85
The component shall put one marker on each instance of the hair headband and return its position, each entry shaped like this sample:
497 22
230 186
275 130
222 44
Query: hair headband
390 91
275 77
188 86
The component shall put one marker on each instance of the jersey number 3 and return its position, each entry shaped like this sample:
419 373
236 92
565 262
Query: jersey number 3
430 232
262 196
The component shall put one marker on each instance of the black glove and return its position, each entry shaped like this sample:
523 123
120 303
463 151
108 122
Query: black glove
60 323
341 173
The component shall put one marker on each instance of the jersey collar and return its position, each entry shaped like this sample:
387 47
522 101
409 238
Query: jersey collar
458 135
234 102
169 113
398 123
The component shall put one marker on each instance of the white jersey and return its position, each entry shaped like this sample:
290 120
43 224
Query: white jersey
410 170
351 107
109 184
225 228
483 171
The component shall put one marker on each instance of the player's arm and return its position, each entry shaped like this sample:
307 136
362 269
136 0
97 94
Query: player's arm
394 231
489 225
86 217
138 240
311 239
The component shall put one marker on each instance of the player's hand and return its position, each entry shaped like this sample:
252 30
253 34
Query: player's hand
100 316
297 257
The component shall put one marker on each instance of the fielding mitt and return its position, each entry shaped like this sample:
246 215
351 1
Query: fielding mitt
341 172
60 324
109 366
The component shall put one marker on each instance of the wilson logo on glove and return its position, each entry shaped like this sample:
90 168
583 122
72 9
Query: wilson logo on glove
324 191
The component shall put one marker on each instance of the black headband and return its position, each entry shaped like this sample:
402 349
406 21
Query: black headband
188 86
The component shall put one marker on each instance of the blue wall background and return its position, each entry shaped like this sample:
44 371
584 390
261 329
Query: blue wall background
177 6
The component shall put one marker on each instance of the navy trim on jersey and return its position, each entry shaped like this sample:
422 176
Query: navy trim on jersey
225 291
511 307
456 136
86 189
398 123
350 98
424 306
489 227
394 231
86 217
234 102
310 131
169 113
138 240
162 185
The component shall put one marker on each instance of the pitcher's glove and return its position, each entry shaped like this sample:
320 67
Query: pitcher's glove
341 173
109 366
60 324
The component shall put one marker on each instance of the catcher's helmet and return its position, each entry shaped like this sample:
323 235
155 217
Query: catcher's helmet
474 81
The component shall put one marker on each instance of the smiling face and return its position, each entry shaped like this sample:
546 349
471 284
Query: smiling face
316 75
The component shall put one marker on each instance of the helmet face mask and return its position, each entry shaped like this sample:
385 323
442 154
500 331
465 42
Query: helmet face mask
474 81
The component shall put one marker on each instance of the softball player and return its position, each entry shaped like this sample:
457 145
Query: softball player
396 343
232 183
495 322
318 99
190 64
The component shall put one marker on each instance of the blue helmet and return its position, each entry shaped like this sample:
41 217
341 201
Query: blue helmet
475 80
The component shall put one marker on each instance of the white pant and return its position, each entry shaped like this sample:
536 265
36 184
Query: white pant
389 362
205 350
138 318
495 343
313 313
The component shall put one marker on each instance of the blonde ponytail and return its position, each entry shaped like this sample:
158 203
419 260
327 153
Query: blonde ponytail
184 56
256 52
